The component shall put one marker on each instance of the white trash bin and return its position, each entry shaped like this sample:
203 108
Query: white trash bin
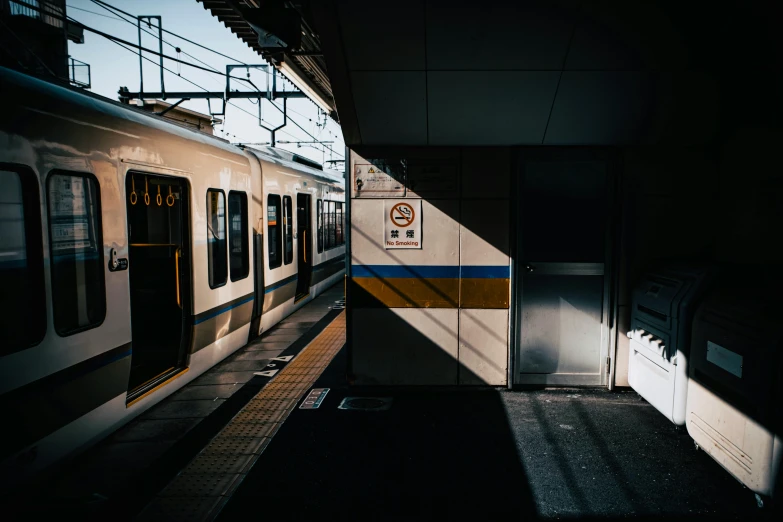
662 311
734 390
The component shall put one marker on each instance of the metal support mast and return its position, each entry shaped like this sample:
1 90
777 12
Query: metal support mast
147 19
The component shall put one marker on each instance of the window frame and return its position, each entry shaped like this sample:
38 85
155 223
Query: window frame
245 242
288 211
326 225
339 234
319 217
330 230
278 223
225 227
34 236
98 242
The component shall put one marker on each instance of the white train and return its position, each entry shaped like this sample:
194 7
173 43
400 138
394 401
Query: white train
134 255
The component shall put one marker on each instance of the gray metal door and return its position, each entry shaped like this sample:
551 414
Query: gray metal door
561 293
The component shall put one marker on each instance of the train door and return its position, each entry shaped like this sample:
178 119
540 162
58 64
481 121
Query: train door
304 238
562 284
159 269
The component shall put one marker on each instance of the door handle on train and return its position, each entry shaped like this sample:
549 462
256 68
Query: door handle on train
117 263
176 275
304 244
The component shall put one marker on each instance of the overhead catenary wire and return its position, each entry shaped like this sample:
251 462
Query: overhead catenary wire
106 5
111 8
210 69
281 110
176 48
124 43
204 89
115 17
189 81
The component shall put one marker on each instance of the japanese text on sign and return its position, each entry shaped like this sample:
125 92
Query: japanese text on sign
402 223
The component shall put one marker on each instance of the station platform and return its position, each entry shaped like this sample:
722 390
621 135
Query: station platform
123 472
387 453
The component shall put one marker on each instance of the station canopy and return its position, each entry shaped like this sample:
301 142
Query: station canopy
547 72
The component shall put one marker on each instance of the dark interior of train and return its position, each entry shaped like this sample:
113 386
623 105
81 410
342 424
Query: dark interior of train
304 235
24 283
157 252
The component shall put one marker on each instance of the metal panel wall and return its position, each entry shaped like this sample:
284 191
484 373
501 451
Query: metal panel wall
436 315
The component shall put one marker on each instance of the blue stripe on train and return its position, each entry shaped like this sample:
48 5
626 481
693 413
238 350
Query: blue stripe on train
221 310
281 283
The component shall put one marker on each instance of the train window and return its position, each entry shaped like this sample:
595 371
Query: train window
238 254
23 299
342 223
331 233
76 252
327 225
319 216
339 224
288 221
216 237
274 230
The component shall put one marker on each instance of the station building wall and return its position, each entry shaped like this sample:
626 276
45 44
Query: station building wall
436 315
717 203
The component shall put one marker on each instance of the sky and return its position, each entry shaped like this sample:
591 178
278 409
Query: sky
111 67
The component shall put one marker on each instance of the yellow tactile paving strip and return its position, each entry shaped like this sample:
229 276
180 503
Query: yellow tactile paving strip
201 489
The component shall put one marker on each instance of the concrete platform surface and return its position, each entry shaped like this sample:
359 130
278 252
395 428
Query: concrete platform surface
483 454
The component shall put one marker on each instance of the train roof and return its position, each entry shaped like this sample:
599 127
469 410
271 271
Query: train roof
296 162
30 86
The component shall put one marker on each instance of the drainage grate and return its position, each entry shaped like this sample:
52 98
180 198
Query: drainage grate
366 403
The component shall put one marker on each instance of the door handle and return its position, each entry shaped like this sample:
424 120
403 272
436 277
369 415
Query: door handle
176 275
304 245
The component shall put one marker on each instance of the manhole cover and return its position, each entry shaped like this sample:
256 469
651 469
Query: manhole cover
366 403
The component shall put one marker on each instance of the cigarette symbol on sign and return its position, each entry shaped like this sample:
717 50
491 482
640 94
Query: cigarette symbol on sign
402 214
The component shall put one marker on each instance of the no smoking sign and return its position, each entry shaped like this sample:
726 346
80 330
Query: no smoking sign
402 223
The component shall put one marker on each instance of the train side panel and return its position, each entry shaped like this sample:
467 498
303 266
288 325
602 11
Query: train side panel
71 388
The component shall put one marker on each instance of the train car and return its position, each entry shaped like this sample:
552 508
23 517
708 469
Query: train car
134 255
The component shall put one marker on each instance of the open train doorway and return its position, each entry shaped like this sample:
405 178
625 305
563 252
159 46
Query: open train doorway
159 274
304 237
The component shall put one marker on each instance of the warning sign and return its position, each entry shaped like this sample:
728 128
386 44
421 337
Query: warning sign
372 181
402 223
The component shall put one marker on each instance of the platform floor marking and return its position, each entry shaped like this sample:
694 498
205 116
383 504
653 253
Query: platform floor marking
201 490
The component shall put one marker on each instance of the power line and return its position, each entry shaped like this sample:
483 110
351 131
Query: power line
109 7
204 89
281 110
105 5
124 43
213 70
118 17
96 14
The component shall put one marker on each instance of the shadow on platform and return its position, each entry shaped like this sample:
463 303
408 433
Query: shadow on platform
435 454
